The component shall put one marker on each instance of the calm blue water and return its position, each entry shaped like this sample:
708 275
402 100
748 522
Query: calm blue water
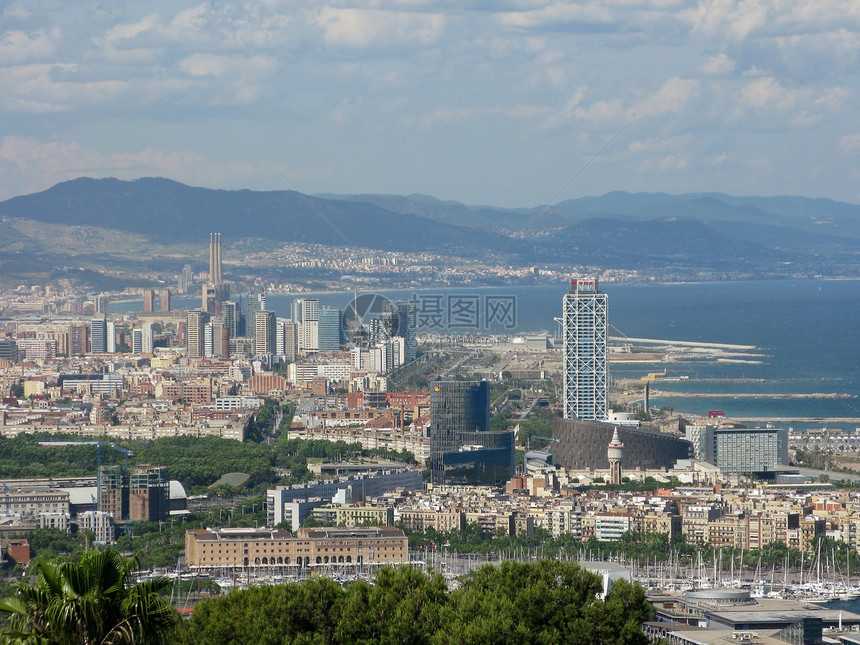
808 331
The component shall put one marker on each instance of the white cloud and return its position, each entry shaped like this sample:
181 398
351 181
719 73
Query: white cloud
189 24
666 163
556 14
48 88
718 65
768 92
361 28
17 12
450 115
566 112
604 110
657 144
20 47
671 98
129 31
833 98
220 65
850 142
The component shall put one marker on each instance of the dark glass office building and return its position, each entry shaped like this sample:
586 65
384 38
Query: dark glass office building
462 449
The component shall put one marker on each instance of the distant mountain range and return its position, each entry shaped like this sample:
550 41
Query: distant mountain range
644 230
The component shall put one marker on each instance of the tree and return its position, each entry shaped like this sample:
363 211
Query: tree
402 606
88 602
294 612
537 602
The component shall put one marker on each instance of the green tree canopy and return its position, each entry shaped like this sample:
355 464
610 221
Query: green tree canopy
537 602
89 602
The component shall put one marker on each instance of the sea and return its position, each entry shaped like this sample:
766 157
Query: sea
805 332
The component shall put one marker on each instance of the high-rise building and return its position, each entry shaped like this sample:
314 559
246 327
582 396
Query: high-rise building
101 304
330 329
457 407
148 299
256 302
147 343
209 299
207 340
264 332
310 309
407 326
231 321
744 450
165 300
113 491
110 337
149 493
287 341
462 448
185 279
194 333
98 334
307 310
585 327
8 350
137 341
143 494
220 339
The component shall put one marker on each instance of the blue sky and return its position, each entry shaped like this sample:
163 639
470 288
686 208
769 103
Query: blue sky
500 103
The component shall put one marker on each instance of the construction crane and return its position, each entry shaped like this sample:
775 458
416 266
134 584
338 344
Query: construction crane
549 439
98 444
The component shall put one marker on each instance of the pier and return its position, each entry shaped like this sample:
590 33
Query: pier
659 394
786 420
683 343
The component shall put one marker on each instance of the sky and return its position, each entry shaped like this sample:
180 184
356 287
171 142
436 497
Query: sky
508 103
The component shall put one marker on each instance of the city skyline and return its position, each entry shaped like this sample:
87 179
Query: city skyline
507 104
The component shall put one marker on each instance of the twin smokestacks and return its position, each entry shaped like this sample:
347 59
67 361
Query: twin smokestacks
215 258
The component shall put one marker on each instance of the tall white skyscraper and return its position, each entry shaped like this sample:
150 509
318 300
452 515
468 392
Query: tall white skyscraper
309 309
110 337
148 338
208 342
585 319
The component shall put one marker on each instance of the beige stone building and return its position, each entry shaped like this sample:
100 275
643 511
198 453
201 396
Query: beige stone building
312 547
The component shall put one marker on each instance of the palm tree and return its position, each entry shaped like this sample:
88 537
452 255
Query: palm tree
89 602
